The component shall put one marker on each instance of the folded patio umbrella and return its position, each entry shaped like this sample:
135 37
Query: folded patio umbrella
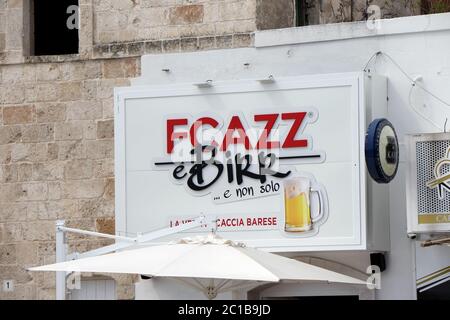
210 264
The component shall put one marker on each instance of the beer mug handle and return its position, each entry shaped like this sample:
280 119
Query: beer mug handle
321 207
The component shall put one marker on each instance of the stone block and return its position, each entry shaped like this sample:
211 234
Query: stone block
68 131
136 48
102 50
12 94
98 207
50 112
5 154
89 129
2 42
19 274
171 45
8 173
33 191
48 171
38 133
189 44
89 90
37 211
242 40
153 47
12 232
8 254
79 169
106 87
118 49
131 67
25 172
52 151
54 190
17 114
100 149
39 230
71 150
84 110
41 92
23 152
237 10
112 68
206 43
83 189
25 292
104 225
109 189
13 211
70 91
223 42
105 129
26 253
82 70
10 134
13 74
46 294
104 168
186 14
274 14
48 72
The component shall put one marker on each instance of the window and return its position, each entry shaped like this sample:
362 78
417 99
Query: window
301 15
54 28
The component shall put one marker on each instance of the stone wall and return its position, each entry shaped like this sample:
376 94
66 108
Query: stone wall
56 162
335 11
56 120
117 28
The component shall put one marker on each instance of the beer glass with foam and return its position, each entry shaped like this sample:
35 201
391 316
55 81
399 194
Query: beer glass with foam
297 205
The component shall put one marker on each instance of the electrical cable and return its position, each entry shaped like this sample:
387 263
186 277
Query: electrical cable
417 111
413 85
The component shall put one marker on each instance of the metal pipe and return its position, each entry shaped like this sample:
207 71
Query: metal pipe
169 231
430 243
60 257
97 234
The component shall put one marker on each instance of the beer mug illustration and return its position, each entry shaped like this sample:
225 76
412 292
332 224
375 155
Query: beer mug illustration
297 204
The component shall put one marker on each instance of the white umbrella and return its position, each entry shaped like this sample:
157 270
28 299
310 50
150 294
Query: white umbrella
210 264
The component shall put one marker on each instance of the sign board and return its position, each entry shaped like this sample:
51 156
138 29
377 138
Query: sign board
281 165
428 183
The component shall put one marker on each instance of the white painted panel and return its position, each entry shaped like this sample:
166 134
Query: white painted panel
95 289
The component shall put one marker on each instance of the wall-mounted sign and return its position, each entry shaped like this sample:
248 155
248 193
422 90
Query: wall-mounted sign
382 151
428 183
280 165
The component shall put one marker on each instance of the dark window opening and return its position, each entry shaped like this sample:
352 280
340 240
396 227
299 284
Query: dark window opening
301 14
434 6
53 27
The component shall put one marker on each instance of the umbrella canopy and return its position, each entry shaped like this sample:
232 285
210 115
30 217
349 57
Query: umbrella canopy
210 264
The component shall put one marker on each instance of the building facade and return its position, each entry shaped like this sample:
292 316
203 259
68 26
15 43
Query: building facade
56 111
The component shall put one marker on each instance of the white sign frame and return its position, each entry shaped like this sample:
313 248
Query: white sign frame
354 80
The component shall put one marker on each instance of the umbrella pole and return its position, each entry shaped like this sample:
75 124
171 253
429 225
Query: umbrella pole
60 257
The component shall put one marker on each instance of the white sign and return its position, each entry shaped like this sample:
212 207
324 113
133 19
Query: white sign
280 165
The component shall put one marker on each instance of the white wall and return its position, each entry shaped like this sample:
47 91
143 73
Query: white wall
421 45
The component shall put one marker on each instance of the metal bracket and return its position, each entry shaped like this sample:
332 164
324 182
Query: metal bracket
269 80
206 84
